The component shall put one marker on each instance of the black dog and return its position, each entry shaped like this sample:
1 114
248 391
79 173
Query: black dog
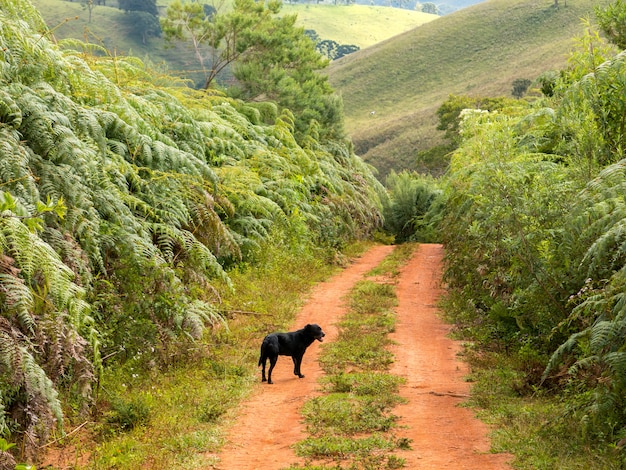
288 344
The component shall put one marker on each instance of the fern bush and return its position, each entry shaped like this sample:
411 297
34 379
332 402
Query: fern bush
534 231
46 331
410 209
502 225
594 350
125 195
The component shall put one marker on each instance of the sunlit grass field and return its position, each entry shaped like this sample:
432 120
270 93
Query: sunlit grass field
360 25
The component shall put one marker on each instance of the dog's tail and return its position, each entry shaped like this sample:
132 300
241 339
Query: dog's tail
261 356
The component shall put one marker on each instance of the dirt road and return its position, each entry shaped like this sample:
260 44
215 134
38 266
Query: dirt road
444 435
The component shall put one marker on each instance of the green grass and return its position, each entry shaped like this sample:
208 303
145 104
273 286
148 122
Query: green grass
479 50
391 265
360 25
540 429
341 448
363 331
348 414
169 419
363 383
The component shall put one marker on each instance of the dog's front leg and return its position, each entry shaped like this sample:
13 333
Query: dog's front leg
297 361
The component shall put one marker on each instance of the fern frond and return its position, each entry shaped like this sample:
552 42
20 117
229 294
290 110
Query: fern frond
4 422
20 365
203 259
197 315
566 348
603 334
616 361
584 364
167 239
18 299
39 387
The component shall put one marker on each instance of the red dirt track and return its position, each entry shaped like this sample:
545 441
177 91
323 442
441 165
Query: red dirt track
443 435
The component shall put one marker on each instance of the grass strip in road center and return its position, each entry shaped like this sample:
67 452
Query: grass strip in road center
352 422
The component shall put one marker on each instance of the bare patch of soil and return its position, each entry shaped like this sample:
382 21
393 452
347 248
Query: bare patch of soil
443 435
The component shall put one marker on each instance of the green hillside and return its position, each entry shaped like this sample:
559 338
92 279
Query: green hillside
479 50
360 25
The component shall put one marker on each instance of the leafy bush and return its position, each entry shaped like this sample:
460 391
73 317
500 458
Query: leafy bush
409 210
520 86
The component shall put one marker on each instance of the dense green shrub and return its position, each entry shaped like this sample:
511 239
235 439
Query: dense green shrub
410 209
533 228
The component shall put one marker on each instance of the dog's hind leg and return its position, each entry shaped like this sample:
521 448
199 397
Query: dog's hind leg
273 360
262 362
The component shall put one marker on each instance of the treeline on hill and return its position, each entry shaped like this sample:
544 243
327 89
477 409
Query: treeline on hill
123 194
533 218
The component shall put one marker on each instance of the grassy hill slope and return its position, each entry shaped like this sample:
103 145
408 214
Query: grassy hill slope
479 50
360 25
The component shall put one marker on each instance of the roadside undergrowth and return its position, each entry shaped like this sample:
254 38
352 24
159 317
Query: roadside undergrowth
176 418
351 424
540 426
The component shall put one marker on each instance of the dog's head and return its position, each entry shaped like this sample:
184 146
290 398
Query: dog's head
315 331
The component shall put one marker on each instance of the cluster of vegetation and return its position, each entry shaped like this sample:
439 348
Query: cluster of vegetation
251 50
329 48
130 201
268 56
411 209
533 222
127 197
352 422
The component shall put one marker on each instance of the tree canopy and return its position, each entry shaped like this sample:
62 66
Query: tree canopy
268 56
148 6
